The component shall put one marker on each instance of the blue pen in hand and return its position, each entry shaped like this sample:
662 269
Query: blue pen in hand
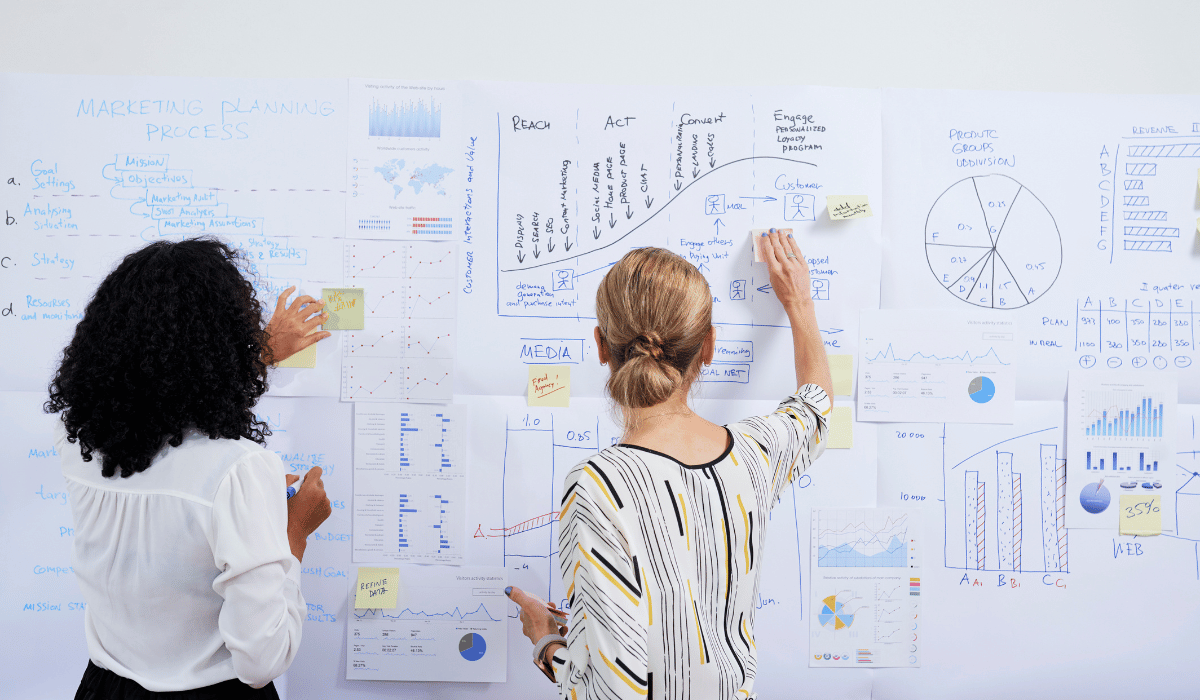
295 486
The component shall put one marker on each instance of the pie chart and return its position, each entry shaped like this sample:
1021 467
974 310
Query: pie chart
990 242
472 646
981 389
1095 498
832 611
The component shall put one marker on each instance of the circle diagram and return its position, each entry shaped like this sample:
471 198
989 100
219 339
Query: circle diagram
992 243
981 389
472 647
833 611
1094 498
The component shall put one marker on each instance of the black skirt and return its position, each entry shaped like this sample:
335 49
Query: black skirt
102 684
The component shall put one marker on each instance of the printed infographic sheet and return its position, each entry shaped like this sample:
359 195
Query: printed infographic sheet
404 170
406 346
866 588
409 483
1121 446
449 624
935 366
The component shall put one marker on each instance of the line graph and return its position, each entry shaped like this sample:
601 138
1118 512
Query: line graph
864 541
479 613
965 357
406 351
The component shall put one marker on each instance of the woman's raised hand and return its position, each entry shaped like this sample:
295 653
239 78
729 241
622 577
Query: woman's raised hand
290 329
789 271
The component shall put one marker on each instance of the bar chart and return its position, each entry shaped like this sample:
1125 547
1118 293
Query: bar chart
1144 421
409 483
432 225
410 119
1120 460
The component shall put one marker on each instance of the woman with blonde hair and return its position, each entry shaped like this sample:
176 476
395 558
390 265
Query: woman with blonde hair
660 538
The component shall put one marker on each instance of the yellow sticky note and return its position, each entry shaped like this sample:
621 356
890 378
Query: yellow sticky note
377 587
305 359
756 241
345 308
1140 515
841 429
847 206
549 385
842 369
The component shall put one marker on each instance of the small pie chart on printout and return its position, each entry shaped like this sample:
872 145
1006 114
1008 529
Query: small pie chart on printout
981 389
472 647
992 243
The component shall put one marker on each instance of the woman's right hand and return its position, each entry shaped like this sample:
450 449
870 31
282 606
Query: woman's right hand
307 510
789 271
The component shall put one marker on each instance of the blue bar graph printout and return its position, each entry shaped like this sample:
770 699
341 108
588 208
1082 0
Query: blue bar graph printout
1146 421
412 119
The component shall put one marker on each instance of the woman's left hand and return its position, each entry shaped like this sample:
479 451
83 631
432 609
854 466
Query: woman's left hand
290 329
536 619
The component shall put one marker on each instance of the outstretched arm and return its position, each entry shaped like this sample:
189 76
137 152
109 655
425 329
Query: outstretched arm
790 280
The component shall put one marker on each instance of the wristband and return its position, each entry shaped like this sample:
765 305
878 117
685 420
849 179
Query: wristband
545 642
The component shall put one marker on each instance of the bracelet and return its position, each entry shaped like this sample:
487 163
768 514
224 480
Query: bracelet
544 642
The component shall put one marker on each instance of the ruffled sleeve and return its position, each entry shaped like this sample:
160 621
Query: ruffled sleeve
263 613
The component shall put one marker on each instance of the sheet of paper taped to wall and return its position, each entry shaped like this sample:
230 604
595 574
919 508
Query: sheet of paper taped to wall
377 587
345 308
848 206
841 429
549 385
304 359
841 367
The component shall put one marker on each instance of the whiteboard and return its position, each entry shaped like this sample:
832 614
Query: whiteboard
717 165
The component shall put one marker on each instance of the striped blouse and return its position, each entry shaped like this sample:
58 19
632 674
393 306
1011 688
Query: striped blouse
660 559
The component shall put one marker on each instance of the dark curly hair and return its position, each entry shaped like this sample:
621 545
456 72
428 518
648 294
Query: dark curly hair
173 339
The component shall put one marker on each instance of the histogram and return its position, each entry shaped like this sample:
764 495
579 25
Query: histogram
412 119
1145 421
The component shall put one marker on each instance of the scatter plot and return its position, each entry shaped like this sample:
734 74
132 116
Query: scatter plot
406 350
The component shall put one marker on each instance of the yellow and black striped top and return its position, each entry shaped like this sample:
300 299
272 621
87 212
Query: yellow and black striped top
660 559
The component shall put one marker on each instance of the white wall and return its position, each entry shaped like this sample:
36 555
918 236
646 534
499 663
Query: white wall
1068 46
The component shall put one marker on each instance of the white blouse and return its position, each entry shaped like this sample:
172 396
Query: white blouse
185 567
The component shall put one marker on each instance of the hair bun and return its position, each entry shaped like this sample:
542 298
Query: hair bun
654 314
649 343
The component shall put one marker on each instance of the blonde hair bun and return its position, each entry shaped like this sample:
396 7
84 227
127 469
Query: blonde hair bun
654 311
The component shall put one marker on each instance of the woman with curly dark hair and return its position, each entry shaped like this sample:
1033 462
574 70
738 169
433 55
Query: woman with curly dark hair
187 548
